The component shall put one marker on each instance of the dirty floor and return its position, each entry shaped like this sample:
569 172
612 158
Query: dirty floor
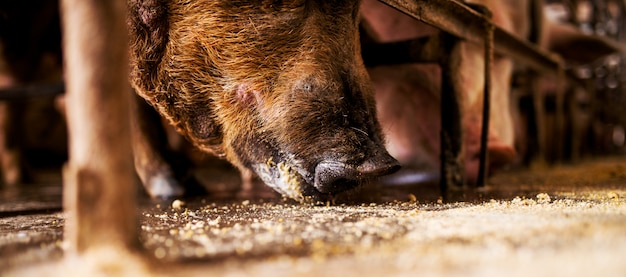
567 220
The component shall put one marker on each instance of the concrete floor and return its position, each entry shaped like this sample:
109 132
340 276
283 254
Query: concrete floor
565 220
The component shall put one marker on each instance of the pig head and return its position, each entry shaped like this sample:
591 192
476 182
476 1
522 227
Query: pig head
278 87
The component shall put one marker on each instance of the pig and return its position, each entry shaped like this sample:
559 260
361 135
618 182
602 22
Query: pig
275 87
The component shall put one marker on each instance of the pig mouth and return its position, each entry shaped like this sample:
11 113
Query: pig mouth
282 178
290 180
313 177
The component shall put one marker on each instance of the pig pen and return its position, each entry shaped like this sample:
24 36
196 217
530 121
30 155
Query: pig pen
545 221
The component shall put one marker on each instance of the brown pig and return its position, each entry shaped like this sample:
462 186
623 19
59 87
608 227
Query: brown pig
278 87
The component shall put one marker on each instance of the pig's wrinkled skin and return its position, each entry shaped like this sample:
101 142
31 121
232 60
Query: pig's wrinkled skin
278 87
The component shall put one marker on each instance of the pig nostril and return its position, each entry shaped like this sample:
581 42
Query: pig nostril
335 177
380 165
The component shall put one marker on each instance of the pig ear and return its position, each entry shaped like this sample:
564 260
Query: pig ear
575 46
148 28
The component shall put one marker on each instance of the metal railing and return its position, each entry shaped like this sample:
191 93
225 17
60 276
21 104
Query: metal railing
32 91
464 23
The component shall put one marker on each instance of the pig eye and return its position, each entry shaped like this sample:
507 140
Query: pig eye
305 85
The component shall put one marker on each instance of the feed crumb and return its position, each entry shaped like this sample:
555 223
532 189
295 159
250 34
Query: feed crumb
297 241
317 245
543 198
523 201
159 253
178 204
613 195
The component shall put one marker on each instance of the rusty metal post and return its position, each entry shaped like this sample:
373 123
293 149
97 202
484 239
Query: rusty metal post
484 135
560 116
539 123
452 156
99 189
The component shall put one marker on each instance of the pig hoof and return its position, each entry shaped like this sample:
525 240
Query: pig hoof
162 186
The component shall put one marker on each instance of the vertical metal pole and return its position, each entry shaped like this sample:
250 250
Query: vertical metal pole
452 159
539 117
99 189
560 116
484 135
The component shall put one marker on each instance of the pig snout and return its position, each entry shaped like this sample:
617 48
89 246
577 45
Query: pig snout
318 134
332 176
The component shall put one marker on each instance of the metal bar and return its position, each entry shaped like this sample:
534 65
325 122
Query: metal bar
420 50
484 135
30 91
452 156
560 117
457 19
539 117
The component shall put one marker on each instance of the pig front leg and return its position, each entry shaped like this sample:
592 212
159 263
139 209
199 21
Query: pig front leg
149 146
